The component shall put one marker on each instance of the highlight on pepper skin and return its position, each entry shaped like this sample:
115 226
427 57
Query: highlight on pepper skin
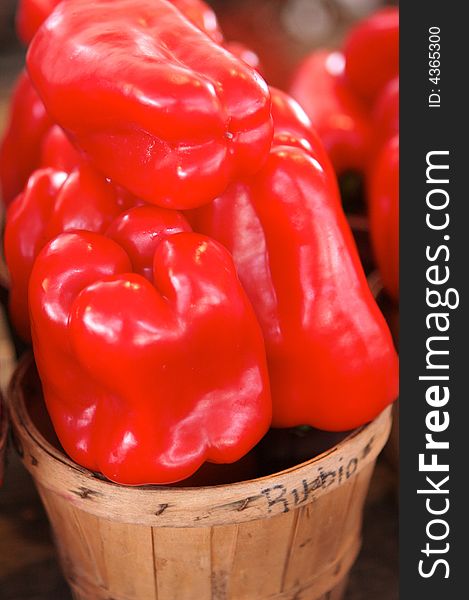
53 202
110 135
297 261
179 357
175 154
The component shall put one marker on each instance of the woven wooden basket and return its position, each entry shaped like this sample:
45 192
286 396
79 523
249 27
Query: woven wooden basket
293 535
3 437
7 362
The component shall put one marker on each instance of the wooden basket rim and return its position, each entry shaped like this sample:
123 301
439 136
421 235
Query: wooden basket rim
183 506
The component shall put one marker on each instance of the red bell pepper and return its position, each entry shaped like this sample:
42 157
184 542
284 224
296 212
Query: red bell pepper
201 15
58 152
385 115
157 105
32 13
331 358
156 329
293 126
384 214
245 53
20 149
372 53
337 115
53 202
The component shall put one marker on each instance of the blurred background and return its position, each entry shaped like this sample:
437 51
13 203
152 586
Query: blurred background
281 32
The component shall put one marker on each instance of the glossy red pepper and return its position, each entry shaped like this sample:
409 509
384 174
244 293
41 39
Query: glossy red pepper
157 105
293 127
155 328
58 152
384 214
331 358
200 14
385 115
337 115
245 53
372 53
20 149
32 13
53 202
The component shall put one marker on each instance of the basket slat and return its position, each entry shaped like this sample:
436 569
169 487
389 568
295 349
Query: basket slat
293 535
7 353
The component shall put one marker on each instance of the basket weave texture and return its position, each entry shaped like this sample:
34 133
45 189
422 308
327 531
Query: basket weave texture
293 535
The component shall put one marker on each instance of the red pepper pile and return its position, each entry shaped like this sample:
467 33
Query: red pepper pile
166 339
352 98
